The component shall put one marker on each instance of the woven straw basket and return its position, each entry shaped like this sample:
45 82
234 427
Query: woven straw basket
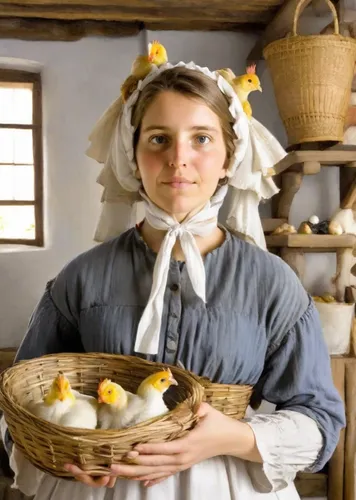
312 78
49 446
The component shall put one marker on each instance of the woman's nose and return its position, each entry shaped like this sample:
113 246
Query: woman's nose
178 155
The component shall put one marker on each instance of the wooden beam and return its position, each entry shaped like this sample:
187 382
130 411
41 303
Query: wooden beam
142 11
50 30
231 4
68 31
310 242
333 157
205 25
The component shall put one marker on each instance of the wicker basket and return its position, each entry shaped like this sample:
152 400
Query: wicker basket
312 78
49 446
232 400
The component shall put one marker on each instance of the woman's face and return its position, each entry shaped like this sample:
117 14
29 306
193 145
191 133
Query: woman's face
180 154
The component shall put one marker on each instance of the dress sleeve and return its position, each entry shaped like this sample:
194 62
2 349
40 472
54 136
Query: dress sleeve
49 332
303 432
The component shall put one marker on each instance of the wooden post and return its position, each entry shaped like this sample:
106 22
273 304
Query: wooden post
311 167
350 437
291 182
294 257
353 338
336 464
344 260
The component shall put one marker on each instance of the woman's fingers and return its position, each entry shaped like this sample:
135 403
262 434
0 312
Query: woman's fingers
153 482
111 483
84 478
133 471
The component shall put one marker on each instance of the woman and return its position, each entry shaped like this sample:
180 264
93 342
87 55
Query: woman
249 322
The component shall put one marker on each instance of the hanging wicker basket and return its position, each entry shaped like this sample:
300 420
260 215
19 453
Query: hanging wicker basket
312 77
49 447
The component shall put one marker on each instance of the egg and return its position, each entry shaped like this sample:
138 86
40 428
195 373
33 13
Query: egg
314 219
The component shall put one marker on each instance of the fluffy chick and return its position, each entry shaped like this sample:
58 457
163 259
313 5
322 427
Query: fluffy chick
64 406
243 85
151 391
141 67
113 405
120 408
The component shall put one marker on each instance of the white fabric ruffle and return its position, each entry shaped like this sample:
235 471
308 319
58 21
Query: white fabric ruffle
288 442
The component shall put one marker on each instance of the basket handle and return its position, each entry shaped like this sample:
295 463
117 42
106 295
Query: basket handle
301 6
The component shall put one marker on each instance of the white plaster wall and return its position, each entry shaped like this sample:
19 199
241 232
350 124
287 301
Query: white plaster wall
79 81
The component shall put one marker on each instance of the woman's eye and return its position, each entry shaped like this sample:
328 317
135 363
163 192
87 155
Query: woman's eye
203 139
158 139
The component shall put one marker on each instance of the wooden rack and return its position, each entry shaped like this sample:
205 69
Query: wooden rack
337 482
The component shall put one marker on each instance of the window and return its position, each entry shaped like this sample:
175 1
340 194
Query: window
21 184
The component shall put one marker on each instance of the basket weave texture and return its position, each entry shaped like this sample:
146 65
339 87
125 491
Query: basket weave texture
49 446
312 77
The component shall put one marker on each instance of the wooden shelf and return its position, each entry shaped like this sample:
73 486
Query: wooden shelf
312 242
307 161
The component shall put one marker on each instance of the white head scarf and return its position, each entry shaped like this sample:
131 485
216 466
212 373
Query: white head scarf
256 150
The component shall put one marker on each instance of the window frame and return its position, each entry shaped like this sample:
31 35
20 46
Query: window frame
18 76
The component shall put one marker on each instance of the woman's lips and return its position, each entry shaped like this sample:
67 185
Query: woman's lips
178 183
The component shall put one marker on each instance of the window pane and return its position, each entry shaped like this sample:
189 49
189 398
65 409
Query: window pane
17 182
16 103
16 146
17 222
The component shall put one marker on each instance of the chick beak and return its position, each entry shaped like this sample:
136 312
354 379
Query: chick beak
172 380
100 399
259 88
150 58
62 394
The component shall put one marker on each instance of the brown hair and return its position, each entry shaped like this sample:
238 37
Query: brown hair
193 84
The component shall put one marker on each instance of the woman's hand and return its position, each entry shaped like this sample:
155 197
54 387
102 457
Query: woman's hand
108 480
215 434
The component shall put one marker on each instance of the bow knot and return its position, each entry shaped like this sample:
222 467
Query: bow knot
202 224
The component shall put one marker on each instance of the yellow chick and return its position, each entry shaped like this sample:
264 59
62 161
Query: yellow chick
142 65
64 406
243 85
120 408
113 403
227 73
151 391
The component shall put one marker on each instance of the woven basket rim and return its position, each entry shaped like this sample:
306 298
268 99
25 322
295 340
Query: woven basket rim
73 431
49 446
324 39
